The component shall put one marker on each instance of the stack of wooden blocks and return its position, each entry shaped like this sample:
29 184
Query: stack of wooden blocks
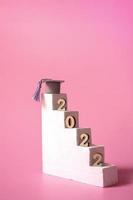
67 149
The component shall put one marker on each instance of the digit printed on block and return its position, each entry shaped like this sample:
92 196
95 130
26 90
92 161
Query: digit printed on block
71 119
96 155
97 159
84 137
60 102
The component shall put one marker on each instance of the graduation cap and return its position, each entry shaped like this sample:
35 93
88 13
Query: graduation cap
52 87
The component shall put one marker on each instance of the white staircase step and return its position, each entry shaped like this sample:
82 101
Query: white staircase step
57 118
51 101
98 176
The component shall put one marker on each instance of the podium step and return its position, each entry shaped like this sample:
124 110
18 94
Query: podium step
99 176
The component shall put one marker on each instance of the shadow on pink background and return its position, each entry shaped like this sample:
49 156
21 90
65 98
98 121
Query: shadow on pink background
89 44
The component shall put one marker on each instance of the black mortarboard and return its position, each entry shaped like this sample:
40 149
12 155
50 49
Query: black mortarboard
52 87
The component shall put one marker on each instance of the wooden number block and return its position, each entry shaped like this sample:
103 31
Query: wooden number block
84 137
54 101
96 157
60 102
71 119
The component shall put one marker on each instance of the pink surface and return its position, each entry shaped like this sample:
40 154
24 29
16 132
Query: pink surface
90 45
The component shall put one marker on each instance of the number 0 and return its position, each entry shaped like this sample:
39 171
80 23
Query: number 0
70 122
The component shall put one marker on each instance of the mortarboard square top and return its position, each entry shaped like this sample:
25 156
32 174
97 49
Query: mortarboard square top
53 86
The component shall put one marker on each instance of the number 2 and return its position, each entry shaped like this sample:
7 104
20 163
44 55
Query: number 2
97 157
61 103
85 140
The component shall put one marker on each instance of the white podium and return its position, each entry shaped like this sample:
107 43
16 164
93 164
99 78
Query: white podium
67 150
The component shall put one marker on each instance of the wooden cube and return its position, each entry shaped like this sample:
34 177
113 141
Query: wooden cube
59 102
96 155
84 137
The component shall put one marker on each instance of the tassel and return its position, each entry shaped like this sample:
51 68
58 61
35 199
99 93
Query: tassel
36 95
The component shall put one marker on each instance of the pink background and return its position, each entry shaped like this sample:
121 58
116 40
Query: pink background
90 45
